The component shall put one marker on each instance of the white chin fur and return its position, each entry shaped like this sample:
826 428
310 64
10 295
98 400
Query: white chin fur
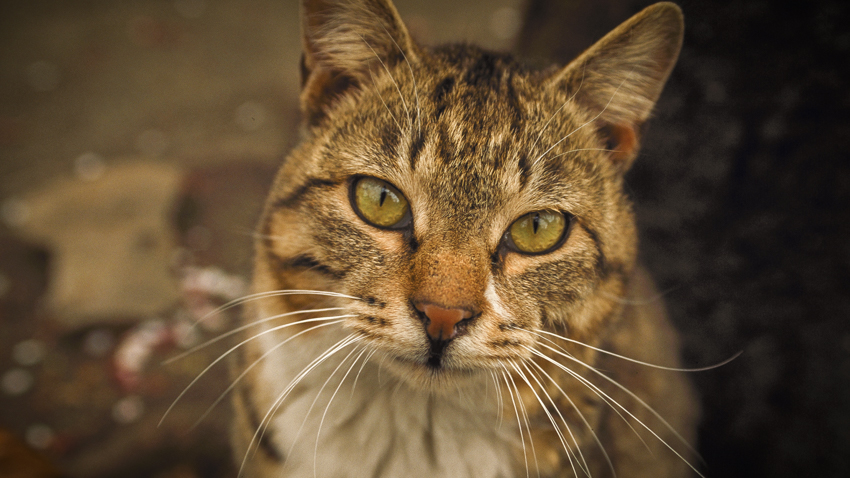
364 427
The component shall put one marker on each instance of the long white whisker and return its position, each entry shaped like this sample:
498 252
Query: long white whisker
322 421
357 377
267 294
580 460
639 362
499 399
593 388
527 423
518 422
581 415
225 354
412 77
585 149
395 120
587 123
630 393
244 327
401 96
546 126
261 429
555 426
313 403
254 364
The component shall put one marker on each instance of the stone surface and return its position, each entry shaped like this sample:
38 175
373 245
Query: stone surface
112 240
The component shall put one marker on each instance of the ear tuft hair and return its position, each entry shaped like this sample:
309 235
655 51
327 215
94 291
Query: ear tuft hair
343 40
621 76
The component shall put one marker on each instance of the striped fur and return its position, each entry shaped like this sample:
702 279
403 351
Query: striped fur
474 141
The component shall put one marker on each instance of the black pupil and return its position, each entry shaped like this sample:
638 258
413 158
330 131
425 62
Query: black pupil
383 196
536 222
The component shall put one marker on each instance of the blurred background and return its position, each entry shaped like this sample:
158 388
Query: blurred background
138 140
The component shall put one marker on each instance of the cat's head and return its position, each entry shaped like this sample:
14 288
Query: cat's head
465 201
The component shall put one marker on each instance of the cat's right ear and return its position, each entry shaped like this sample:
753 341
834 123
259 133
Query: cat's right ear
344 41
619 79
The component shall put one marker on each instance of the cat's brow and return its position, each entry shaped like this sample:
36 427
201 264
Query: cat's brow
310 184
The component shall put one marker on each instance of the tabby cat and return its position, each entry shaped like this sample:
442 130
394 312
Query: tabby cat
445 280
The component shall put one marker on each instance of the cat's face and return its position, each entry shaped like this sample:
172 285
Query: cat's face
464 202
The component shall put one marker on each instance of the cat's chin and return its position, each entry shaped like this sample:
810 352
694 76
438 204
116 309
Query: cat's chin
428 376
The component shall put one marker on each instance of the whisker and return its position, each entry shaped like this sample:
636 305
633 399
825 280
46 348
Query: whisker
518 422
413 78
546 126
585 149
499 401
357 377
313 403
580 457
639 362
261 428
557 429
240 329
229 351
581 415
630 393
395 120
254 363
593 388
267 294
587 123
322 421
527 424
403 103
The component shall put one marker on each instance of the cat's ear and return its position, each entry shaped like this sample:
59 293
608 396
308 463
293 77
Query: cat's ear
619 79
344 41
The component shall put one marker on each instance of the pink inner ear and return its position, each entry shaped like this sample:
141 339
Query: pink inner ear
622 141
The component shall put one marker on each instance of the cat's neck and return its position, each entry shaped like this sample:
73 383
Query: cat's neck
367 423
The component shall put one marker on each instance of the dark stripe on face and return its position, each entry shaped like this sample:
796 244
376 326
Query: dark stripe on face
388 140
515 109
416 148
294 197
439 97
601 266
445 147
305 262
411 240
524 167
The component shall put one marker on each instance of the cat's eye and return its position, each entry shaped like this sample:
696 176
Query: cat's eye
538 232
379 203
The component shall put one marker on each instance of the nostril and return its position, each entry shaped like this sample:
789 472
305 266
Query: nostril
441 322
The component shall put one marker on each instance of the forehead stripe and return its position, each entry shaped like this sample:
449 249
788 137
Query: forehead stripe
293 198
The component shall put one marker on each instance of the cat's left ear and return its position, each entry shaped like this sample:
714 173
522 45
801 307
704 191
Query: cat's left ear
344 42
619 79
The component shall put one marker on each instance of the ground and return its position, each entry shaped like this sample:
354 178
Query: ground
145 134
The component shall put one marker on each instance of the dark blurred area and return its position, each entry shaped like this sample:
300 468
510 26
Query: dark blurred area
137 141
743 192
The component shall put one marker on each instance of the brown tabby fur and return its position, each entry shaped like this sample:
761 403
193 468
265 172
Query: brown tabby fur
474 141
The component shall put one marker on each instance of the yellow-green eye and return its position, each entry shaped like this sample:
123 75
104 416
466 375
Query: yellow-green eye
538 232
379 203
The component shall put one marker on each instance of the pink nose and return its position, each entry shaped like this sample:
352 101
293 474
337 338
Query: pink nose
442 322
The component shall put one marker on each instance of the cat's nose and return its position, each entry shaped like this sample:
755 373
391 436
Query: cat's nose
441 323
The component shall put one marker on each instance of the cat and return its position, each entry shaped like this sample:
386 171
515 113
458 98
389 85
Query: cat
446 281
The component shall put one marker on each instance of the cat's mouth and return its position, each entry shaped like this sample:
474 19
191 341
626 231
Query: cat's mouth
435 354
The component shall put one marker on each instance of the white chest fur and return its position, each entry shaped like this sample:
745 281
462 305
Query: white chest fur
347 419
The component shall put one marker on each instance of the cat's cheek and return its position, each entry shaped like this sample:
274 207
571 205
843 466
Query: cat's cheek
286 235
